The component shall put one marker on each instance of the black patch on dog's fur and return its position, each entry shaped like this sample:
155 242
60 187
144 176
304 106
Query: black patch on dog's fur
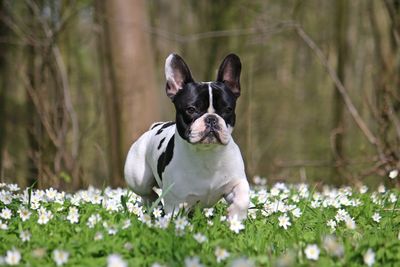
160 144
155 125
165 125
165 157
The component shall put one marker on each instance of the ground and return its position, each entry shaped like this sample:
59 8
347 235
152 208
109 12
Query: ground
287 225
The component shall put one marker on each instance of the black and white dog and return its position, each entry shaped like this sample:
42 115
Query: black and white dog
195 157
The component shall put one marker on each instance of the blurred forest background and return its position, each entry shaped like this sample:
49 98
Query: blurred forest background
80 80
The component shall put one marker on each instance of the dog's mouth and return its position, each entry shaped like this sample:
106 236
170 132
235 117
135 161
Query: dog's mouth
210 136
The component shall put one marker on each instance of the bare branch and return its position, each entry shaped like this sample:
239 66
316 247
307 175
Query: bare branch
343 91
64 80
280 26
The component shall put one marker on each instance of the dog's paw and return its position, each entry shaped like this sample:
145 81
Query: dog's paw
237 211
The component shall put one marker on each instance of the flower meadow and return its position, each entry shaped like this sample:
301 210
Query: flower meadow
287 225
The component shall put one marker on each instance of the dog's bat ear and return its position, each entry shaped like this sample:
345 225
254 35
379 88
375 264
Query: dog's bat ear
229 73
177 74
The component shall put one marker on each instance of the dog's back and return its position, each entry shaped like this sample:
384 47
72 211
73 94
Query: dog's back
141 173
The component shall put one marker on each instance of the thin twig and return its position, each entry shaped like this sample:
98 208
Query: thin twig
220 34
64 81
342 90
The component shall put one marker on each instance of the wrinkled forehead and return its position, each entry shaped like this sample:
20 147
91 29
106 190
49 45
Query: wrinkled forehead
199 94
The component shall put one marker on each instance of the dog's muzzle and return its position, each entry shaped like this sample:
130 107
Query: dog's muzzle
209 129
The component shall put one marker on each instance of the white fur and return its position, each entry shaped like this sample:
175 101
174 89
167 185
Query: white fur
210 107
196 174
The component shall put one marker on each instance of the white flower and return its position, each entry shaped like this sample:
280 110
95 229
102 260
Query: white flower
393 174
6 213
115 260
60 257
200 238
44 216
312 252
284 221
25 236
252 213
3 226
235 225
221 254
392 198
259 180
157 212
162 222
98 236
315 204
13 257
35 205
350 223
96 198
242 262
135 209
274 191
193 262
181 223
112 204
126 224
75 200
369 257
296 212
331 224
25 214
5 197
341 215
376 217
73 215
60 198
13 187
93 220
295 198
381 189
112 230
262 196
128 246
363 189
51 194
332 246
208 212
146 219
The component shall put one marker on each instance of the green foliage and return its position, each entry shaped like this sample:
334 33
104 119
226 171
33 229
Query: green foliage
142 243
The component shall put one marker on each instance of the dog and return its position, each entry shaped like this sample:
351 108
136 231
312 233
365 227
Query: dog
194 160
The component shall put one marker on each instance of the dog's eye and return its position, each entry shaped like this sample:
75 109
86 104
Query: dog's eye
228 110
190 110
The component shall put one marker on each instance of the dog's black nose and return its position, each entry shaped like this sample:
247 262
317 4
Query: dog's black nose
211 121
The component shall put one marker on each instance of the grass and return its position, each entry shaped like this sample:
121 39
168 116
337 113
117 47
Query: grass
122 229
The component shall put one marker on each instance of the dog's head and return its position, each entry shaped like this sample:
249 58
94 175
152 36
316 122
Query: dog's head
205 111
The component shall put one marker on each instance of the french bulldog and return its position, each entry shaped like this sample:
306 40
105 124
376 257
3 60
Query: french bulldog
194 160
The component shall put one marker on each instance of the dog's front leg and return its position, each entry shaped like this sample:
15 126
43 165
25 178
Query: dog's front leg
239 199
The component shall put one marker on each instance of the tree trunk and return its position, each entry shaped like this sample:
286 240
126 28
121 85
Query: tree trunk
131 100
338 105
4 32
112 114
34 127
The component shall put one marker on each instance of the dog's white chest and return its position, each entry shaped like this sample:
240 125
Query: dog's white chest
201 176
